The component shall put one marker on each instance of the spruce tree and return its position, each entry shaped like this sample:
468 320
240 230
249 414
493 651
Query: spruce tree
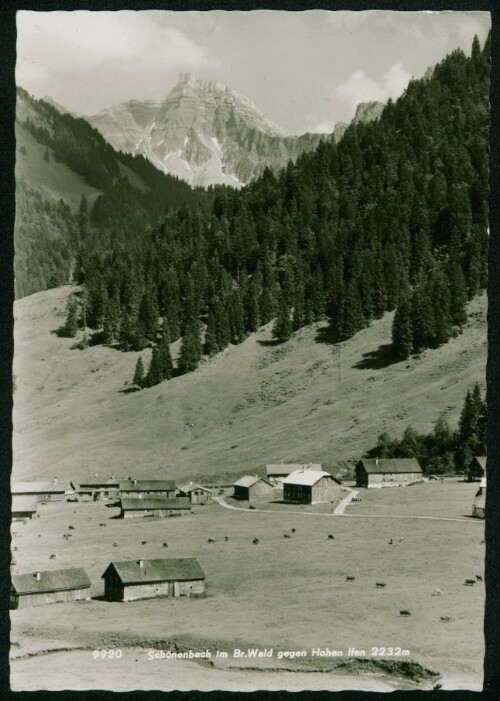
282 328
154 375
165 357
402 332
71 324
190 353
139 373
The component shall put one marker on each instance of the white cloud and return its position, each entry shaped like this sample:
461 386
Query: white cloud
361 88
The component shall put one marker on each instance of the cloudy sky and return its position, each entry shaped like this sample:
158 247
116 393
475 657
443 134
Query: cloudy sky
304 70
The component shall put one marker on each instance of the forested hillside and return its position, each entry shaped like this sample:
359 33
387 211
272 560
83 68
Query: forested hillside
122 194
394 216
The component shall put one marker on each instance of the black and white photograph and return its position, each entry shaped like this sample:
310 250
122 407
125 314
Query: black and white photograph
250 348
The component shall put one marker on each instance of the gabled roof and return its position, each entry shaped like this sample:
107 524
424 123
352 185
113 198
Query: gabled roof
54 580
36 487
307 478
147 486
249 481
106 484
386 465
287 468
137 504
190 486
21 503
481 460
166 570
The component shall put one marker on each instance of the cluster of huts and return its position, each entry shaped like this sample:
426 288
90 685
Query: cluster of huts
123 581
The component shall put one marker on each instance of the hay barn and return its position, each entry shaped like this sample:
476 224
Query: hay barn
477 469
49 587
195 492
143 579
277 473
98 490
248 487
43 491
23 507
395 472
161 507
308 486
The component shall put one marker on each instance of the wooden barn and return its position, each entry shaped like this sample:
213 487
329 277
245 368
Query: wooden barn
196 493
477 469
277 473
147 488
43 491
50 587
161 507
143 579
394 472
23 507
308 486
248 487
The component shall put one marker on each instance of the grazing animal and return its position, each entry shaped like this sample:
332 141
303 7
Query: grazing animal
482 542
286 535
226 538
14 548
103 525
391 541
404 613
350 579
165 545
115 543
293 530
211 540
255 541
39 535
470 582
52 557
446 619
380 584
144 542
479 578
437 592
331 537
71 528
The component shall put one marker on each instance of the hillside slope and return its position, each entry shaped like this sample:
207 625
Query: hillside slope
251 404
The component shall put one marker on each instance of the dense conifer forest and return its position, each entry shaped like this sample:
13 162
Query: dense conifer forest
393 217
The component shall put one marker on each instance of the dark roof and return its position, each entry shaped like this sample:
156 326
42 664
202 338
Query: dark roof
137 504
249 481
54 580
21 503
166 570
480 460
106 484
396 465
147 486
188 488
36 487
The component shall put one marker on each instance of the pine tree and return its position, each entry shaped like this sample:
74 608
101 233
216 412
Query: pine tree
154 375
190 353
71 324
139 373
165 357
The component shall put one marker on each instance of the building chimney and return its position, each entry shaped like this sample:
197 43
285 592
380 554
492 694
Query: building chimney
141 563
37 575
135 481
376 462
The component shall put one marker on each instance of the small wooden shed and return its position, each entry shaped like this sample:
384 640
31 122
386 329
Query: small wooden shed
23 507
393 472
307 486
248 487
143 579
477 469
161 507
49 587
195 492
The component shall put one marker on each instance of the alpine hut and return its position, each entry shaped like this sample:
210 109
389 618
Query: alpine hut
43 491
308 486
142 579
248 487
149 488
394 472
276 473
23 507
195 492
37 588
